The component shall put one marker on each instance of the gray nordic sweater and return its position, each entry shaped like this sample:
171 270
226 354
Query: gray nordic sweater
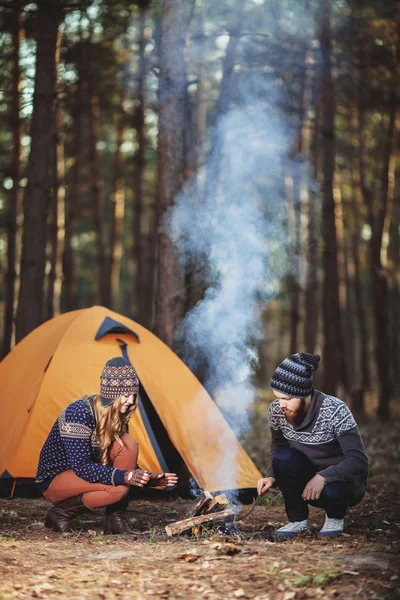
328 436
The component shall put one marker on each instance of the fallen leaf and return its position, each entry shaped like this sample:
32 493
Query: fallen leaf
38 590
51 574
289 595
240 593
226 548
276 564
188 557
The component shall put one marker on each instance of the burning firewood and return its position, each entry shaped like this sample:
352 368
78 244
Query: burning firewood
219 518
207 504
217 504
201 505
207 510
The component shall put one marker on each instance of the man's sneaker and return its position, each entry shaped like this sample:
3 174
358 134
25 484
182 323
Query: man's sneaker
332 526
290 529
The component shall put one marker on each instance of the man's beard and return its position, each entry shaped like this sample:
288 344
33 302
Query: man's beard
297 416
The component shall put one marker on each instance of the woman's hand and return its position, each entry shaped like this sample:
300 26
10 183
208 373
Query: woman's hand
162 480
264 484
314 487
137 477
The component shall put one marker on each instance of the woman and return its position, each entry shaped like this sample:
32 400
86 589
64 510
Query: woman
89 461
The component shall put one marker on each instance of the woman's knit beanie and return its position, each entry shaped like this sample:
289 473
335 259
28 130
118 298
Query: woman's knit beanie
293 377
117 379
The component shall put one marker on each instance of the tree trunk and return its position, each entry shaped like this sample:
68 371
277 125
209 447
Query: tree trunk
363 381
196 125
172 94
37 196
208 180
379 221
358 398
117 216
15 196
142 285
333 346
311 295
346 355
57 220
95 178
297 167
222 104
394 258
349 311
379 281
294 215
201 108
229 61
71 204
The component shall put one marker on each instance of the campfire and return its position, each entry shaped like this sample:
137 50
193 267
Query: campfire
208 510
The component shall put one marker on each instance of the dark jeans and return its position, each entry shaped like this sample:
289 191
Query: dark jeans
293 470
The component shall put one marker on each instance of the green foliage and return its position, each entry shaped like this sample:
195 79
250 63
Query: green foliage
324 575
154 536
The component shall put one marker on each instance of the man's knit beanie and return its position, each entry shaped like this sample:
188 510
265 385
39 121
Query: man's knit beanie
117 379
293 377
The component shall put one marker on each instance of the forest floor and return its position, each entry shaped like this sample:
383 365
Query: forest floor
362 563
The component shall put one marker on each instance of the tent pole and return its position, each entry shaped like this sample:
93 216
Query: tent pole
13 488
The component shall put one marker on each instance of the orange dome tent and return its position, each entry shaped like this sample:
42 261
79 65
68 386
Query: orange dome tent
62 359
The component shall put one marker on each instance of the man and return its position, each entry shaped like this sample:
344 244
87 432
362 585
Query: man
317 456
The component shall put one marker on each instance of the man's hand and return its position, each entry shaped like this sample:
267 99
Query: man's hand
264 484
162 480
314 487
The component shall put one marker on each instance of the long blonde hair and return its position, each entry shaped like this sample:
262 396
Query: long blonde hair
110 425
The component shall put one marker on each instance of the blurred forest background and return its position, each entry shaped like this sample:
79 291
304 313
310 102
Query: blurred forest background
109 107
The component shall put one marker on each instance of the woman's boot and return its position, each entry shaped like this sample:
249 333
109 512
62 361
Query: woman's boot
61 515
115 518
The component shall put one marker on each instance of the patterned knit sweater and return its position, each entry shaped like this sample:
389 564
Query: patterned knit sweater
72 444
328 436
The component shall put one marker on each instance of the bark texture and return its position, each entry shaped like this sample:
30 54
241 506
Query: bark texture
172 93
37 197
14 208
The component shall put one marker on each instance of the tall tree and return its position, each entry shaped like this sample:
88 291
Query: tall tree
195 135
333 344
294 250
142 284
379 220
394 258
298 177
363 381
57 218
38 191
117 213
72 200
15 197
96 182
311 293
228 64
170 161
224 97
